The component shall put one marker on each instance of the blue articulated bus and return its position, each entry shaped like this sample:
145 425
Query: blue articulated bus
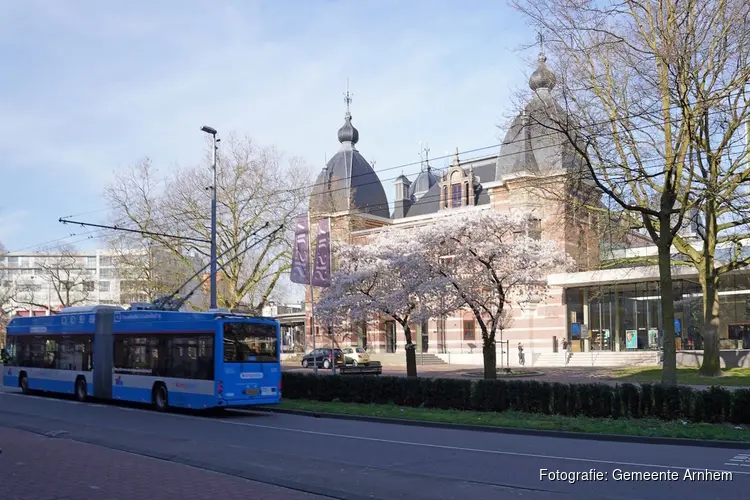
165 358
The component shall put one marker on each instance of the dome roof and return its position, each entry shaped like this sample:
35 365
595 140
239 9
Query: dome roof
424 181
348 133
543 77
348 182
532 144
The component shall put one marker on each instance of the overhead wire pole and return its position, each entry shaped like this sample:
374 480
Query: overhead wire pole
182 301
215 147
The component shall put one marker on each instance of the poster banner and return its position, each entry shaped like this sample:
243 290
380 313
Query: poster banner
322 264
300 272
631 339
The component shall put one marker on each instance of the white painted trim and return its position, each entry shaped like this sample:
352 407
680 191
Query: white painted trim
615 276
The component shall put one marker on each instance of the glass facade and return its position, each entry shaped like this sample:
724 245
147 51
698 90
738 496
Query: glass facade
627 316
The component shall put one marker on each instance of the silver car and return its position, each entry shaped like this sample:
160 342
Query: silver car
356 356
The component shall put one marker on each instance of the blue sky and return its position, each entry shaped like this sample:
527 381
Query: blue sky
89 87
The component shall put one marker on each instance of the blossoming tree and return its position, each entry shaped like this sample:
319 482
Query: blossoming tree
389 275
491 260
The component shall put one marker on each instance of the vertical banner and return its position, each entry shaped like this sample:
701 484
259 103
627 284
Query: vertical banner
322 267
300 272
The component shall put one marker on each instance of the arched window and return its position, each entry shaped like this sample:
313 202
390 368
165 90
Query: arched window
469 326
466 194
455 195
445 197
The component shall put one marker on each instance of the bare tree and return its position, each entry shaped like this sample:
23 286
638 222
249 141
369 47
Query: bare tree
623 70
717 59
6 299
254 187
68 281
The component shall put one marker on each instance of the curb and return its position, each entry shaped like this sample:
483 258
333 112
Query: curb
619 438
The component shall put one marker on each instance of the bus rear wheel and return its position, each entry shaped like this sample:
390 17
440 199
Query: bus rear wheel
81 390
160 397
23 383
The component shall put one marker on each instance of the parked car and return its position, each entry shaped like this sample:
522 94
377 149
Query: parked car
356 356
322 358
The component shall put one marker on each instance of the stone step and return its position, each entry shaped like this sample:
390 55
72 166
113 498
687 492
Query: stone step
599 359
399 358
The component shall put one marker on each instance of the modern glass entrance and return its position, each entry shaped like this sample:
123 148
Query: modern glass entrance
627 316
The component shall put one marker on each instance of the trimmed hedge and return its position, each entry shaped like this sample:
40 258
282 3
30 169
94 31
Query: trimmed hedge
714 405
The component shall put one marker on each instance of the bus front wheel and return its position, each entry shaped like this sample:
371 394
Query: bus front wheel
160 397
23 383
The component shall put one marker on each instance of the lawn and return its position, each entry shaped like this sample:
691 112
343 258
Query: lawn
640 427
736 377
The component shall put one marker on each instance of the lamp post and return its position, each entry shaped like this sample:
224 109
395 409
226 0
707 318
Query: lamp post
212 132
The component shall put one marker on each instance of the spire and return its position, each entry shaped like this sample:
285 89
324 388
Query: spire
347 133
456 161
424 157
347 97
540 38
542 78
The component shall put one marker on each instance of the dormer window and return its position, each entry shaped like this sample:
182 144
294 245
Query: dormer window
457 187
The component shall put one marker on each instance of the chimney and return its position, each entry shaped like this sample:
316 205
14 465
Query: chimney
403 201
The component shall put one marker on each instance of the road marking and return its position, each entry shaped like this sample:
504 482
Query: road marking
741 460
428 445
471 450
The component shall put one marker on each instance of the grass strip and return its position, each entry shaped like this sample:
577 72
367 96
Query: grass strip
735 377
518 420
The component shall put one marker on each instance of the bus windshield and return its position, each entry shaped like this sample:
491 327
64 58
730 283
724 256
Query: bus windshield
250 342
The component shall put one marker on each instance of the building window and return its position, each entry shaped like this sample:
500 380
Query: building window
445 197
535 229
107 273
466 194
469 330
104 286
91 262
88 286
456 195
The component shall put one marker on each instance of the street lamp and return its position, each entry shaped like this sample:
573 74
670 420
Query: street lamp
212 132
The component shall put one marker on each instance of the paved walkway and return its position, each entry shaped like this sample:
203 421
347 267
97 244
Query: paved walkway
571 375
42 468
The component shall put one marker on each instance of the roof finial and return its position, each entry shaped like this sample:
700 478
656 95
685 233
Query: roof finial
347 96
427 157
540 39
542 77
347 133
456 161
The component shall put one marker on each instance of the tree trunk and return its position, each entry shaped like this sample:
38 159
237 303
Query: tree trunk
711 366
489 353
411 353
490 362
669 367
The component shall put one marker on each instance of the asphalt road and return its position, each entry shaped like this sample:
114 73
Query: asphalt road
357 460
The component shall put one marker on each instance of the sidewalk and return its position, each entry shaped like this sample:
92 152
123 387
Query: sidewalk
571 375
41 468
